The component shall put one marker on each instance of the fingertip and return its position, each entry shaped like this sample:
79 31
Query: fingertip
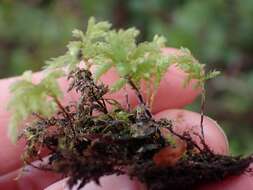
185 120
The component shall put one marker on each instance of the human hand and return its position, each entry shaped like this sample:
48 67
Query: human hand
170 98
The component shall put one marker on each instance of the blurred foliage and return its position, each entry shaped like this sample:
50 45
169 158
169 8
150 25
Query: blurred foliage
218 32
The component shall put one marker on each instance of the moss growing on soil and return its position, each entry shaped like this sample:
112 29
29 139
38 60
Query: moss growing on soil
86 146
86 140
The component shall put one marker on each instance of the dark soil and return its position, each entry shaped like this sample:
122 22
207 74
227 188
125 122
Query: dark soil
85 145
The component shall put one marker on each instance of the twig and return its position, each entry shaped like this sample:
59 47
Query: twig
185 138
140 97
62 108
202 141
127 100
65 112
40 117
202 109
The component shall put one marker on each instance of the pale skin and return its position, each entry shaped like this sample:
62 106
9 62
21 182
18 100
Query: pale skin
170 100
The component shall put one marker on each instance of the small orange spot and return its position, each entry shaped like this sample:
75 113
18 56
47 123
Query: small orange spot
169 155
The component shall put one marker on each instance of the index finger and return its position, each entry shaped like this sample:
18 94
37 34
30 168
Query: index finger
171 94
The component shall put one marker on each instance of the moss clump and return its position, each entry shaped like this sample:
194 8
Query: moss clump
86 140
86 146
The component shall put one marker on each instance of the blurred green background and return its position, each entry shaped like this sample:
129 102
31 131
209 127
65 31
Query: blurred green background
218 32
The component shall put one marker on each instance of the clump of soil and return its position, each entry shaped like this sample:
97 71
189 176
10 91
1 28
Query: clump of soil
86 141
